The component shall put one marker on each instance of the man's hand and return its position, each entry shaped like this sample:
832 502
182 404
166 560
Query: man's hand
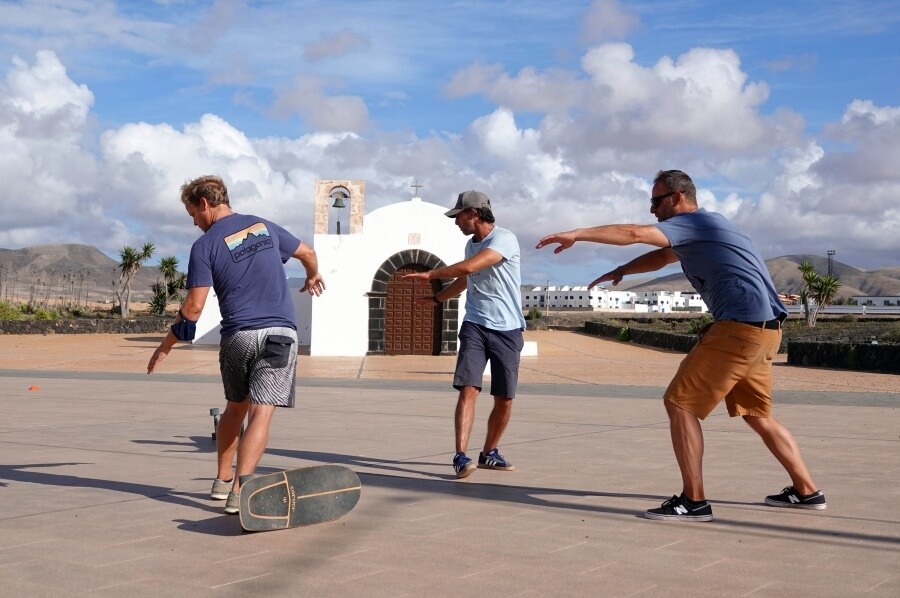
314 285
614 275
156 358
429 300
565 241
423 276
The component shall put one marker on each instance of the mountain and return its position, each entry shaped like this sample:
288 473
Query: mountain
786 276
68 270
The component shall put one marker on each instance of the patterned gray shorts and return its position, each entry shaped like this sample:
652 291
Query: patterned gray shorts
261 365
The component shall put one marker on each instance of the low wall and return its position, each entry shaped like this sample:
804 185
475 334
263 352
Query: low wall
652 338
87 326
846 356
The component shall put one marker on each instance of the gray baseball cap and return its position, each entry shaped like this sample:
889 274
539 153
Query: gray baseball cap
469 199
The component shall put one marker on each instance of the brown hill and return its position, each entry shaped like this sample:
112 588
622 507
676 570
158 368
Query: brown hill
786 276
67 271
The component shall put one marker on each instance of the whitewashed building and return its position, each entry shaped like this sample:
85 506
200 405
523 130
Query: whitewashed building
603 299
877 300
366 308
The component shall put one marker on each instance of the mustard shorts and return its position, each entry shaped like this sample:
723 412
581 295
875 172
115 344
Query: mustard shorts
731 361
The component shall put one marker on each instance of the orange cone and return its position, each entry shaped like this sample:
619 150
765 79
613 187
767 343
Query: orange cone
33 387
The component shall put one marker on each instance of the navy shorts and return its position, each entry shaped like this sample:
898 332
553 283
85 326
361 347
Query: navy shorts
477 346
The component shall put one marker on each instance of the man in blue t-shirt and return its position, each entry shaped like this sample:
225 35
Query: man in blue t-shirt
492 327
242 258
733 358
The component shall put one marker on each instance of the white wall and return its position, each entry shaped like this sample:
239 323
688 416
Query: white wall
337 323
348 263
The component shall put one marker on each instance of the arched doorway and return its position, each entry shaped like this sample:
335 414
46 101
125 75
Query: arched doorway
393 314
410 328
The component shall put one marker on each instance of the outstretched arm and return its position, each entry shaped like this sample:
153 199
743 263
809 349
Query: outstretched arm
448 292
649 262
191 308
609 234
481 260
314 284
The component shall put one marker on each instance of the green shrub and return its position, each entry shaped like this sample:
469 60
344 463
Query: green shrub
534 314
10 311
848 318
698 324
891 333
624 334
45 314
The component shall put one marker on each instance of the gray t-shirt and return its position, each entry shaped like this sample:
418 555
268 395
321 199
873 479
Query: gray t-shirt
494 297
722 264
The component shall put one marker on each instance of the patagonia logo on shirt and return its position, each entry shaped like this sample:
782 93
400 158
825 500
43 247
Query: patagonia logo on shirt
246 242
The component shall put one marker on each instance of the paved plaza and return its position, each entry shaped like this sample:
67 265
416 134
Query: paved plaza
105 474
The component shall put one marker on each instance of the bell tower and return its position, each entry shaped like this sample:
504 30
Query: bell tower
344 202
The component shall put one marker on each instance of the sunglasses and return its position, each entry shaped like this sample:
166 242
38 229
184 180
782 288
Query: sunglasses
654 201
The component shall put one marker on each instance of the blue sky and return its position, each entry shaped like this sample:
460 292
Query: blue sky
787 115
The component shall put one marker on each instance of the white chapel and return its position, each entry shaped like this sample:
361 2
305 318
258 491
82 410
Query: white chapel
366 308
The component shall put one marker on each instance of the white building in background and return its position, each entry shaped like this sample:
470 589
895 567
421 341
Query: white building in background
877 300
603 299
367 309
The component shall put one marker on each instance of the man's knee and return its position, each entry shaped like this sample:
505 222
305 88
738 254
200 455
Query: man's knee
261 412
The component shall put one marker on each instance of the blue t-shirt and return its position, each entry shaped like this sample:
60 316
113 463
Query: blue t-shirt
722 264
494 297
242 258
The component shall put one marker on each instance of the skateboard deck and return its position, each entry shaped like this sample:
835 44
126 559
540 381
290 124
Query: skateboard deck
298 497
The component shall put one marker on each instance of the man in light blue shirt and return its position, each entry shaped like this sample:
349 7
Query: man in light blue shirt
492 327
733 358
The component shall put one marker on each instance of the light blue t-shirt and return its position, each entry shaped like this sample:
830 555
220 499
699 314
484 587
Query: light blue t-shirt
493 295
722 264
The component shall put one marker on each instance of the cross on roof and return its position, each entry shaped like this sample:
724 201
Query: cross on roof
415 185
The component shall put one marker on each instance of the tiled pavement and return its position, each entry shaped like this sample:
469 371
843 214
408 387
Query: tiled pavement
104 476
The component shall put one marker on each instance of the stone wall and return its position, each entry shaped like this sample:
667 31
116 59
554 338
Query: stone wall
866 357
148 325
651 338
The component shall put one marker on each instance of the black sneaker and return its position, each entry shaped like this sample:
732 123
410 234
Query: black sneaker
792 499
494 460
678 508
462 465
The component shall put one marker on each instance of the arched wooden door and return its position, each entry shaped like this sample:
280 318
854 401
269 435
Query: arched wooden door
410 329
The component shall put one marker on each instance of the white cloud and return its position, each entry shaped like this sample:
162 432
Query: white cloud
556 148
308 99
339 43
607 20
45 173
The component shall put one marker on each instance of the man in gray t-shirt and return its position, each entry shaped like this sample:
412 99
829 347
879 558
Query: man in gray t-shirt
733 358
491 330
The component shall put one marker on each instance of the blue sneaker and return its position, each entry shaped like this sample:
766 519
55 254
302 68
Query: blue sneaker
494 460
462 465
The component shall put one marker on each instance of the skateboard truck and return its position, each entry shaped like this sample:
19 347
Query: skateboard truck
214 412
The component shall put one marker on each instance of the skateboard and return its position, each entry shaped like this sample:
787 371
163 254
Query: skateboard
298 497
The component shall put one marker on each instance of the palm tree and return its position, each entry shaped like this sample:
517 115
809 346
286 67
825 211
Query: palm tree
823 290
131 262
820 289
173 281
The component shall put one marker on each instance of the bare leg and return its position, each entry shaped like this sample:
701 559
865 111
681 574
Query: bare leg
497 422
253 442
227 434
687 441
465 417
781 444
